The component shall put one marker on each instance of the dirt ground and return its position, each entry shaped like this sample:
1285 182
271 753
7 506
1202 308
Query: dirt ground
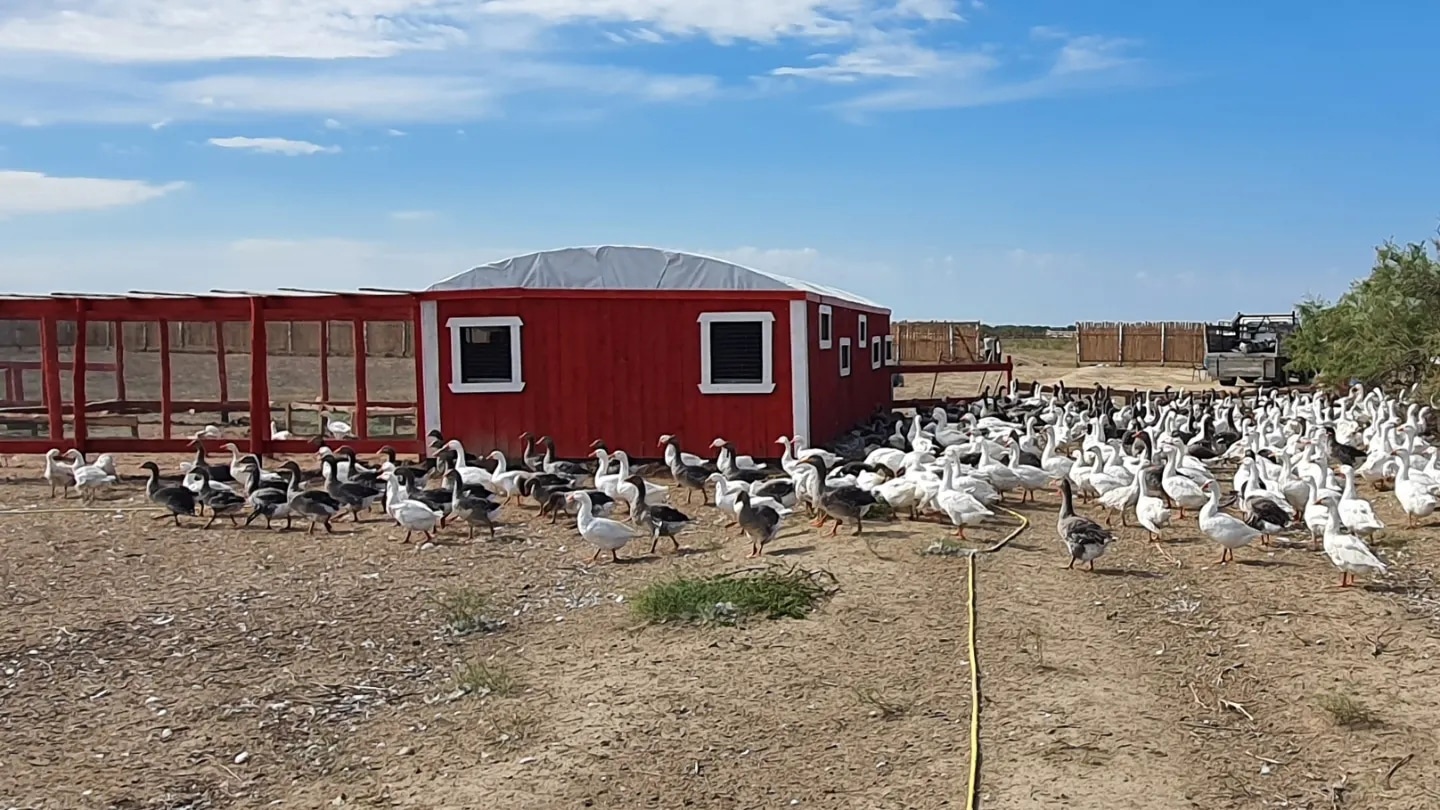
148 666
1049 362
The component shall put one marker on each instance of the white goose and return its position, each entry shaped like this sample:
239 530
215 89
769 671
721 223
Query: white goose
1228 531
1414 496
962 508
1031 478
1150 511
1184 492
504 481
58 474
1346 551
468 474
605 534
412 515
1355 512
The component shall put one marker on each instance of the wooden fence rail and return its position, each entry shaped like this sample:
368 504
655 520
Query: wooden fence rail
937 341
286 338
1180 343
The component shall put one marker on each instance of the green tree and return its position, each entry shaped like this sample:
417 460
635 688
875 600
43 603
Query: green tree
1384 331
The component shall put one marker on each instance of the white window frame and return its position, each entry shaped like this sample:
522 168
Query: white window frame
516 383
864 332
877 354
826 316
890 358
767 349
845 367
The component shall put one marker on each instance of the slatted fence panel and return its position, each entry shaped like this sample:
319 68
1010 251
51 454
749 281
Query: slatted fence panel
937 341
1145 343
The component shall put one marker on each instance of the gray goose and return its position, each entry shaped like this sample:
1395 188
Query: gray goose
663 520
176 500
842 503
759 524
1084 539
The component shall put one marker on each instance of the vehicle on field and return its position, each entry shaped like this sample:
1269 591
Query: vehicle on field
1251 349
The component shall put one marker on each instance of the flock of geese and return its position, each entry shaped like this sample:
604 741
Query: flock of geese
1292 462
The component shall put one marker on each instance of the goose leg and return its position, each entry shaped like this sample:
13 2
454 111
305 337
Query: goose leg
471 535
596 556
654 540
835 528
1071 566
859 524
177 519
614 556
1092 566
328 528
208 522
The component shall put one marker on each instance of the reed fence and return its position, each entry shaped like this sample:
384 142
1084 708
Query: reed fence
1180 343
937 341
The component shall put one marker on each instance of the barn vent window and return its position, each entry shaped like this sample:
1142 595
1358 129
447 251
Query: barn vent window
889 350
877 353
485 355
827 326
737 353
844 357
864 331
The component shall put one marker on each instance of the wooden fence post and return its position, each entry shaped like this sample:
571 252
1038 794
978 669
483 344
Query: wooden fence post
1120 344
1162 343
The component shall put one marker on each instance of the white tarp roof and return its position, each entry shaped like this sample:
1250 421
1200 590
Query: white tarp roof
628 268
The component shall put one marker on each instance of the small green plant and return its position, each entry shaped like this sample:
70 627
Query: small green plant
478 678
1347 711
881 705
463 611
731 598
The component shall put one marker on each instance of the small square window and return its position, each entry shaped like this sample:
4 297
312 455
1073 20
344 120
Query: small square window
844 357
864 331
485 355
890 350
737 353
877 353
826 327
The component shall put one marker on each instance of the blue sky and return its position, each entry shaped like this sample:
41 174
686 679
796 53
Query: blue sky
1035 162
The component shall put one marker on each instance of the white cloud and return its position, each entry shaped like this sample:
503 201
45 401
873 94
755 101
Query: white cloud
331 123
395 133
411 216
274 146
411 61
38 193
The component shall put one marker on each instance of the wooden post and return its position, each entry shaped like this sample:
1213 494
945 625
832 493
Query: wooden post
50 377
418 342
1162 343
325 362
165 379
1120 344
259 379
119 327
77 375
357 340
221 371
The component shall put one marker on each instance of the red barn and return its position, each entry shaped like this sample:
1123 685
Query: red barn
628 343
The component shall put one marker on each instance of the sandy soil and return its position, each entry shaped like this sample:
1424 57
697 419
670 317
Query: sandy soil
148 666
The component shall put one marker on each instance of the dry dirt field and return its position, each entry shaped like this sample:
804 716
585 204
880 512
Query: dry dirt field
148 666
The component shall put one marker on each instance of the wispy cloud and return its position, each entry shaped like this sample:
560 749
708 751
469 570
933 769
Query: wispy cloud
274 146
395 62
899 73
38 193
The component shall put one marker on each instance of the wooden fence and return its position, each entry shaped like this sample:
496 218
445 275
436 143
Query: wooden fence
1169 343
292 338
937 341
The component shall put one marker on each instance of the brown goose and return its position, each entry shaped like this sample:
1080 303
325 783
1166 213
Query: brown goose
664 521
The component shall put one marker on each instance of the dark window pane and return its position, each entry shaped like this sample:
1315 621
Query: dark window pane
737 352
825 325
485 354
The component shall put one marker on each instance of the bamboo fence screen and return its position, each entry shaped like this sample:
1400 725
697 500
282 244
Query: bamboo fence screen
937 341
1180 343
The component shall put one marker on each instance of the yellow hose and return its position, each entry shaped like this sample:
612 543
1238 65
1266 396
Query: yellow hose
972 794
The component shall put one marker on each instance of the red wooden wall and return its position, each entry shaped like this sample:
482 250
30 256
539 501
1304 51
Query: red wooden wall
625 369
838 403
